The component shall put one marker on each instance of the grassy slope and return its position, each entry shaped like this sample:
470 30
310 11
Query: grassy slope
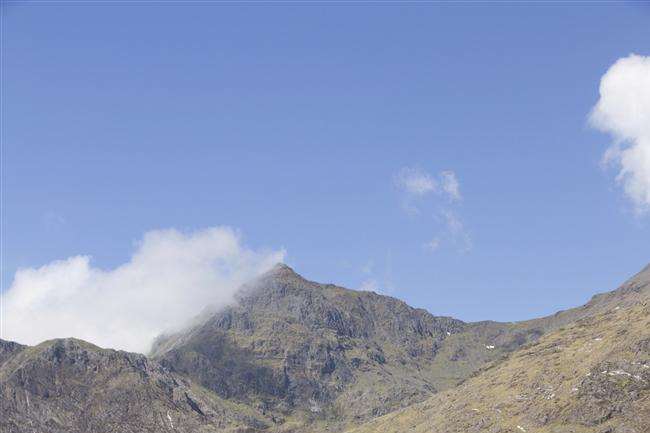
592 376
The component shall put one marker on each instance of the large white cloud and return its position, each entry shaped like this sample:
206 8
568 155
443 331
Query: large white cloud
623 110
171 277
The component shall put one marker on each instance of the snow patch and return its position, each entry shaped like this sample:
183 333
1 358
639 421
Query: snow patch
314 407
171 423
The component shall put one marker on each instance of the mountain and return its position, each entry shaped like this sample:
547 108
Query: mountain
303 352
322 356
292 355
592 375
71 386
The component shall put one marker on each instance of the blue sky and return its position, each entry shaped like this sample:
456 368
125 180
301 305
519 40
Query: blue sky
294 123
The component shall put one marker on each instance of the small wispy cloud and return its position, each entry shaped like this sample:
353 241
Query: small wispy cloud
432 245
378 280
623 111
367 267
369 285
53 219
456 230
421 189
450 185
415 181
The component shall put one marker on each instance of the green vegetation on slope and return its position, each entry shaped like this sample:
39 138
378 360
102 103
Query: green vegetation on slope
591 376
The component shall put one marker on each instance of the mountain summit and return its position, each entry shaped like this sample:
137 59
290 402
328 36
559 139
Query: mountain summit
296 348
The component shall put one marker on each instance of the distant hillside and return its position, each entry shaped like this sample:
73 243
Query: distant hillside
591 376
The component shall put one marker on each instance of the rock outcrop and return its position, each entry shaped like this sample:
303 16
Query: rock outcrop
72 386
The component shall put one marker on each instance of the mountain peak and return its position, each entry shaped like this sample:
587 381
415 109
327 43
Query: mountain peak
282 267
281 270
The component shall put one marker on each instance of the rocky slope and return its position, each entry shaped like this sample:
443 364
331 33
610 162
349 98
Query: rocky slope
319 355
591 376
304 352
72 386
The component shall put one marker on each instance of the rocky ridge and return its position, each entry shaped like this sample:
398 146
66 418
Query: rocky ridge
68 385
592 375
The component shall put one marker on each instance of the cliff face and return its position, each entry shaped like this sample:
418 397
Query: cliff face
72 386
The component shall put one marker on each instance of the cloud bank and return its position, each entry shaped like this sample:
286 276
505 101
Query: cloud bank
169 279
623 111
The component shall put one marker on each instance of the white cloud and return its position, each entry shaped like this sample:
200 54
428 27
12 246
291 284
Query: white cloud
450 185
378 280
432 245
415 181
169 279
421 190
53 219
457 231
623 110
417 184
369 285
367 268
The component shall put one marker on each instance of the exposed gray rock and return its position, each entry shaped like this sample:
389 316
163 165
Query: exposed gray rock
72 386
291 345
